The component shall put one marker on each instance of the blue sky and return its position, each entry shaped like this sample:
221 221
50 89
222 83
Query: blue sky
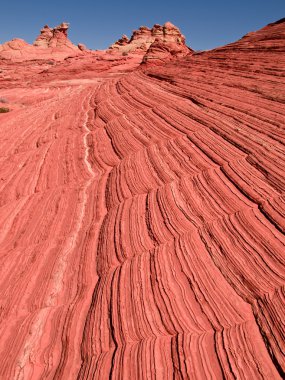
206 24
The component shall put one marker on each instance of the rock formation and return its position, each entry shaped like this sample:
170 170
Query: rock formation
160 43
13 48
139 42
52 43
123 41
142 212
169 43
82 47
54 37
156 45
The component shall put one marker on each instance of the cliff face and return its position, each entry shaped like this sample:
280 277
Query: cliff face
142 211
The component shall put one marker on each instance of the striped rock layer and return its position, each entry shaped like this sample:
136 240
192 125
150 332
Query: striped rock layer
142 216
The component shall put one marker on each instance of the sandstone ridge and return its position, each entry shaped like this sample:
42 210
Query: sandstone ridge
142 210
159 44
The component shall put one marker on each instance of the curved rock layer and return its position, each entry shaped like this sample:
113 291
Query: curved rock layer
142 218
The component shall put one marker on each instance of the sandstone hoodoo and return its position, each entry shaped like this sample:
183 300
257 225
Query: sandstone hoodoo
123 41
159 44
139 42
169 43
142 208
51 43
54 37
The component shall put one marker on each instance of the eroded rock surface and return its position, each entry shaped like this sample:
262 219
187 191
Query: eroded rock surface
54 37
51 43
142 214
158 45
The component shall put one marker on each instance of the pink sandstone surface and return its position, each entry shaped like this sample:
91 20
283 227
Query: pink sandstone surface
142 209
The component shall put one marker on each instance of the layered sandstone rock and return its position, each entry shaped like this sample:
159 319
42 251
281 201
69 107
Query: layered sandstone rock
54 37
139 42
13 48
270 38
156 45
123 41
142 215
169 43
52 43
161 43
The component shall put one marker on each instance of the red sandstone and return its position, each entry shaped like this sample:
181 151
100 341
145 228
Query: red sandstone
142 203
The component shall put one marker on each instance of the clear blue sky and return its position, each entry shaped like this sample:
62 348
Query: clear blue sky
206 24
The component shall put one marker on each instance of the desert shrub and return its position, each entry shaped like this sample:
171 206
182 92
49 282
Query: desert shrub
4 110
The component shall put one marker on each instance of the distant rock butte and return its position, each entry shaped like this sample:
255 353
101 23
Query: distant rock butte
158 44
155 46
52 43
54 37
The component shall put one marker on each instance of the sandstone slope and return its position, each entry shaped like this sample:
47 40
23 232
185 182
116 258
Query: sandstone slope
142 216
